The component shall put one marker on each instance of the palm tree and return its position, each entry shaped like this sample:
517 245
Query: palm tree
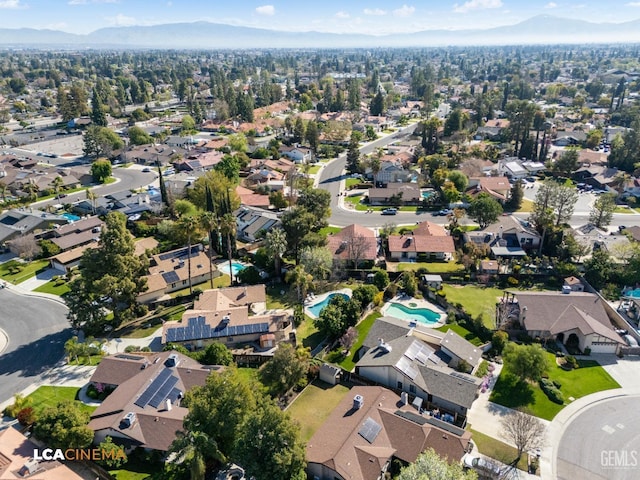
189 224
276 245
32 189
301 279
228 228
92 197
57 183
209 222
195 447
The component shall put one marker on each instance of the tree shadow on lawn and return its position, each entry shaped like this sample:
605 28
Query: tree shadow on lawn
510 391
313 340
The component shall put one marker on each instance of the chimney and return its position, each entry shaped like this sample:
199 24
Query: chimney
169 404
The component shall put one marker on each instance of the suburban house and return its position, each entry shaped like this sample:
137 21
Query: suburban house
592 238
498 187
576 319
66 261
354 244
153 154
249 198
233 316
169 272
296 153
508 237
396 194
395 356
200 162
391 172
428 241
19 222
254 222
144 409
76 234
369 428
17 460
512 168
492 129
600 177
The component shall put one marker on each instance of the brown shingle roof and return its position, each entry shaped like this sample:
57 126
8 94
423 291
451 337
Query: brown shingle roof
421 244
353 235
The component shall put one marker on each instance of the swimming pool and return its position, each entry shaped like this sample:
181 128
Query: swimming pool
422 315
315 309
70 217
426 194
235 267
633 293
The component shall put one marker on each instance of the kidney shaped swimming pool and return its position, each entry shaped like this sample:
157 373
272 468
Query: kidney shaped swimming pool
422 315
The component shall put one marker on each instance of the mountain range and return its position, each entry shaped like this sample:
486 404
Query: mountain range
543 29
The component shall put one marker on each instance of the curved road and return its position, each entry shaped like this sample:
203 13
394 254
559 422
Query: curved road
37 329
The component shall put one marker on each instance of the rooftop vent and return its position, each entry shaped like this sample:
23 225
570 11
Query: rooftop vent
128 420
172 361
358 401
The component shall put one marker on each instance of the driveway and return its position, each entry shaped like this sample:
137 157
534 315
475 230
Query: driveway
39 279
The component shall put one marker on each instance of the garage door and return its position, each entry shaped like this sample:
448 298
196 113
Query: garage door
604 348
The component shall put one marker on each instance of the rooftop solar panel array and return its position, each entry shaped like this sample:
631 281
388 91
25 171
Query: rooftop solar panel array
370 430
164 391
171 277
153 388
197 329
180 253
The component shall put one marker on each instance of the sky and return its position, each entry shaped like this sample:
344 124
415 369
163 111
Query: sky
336 16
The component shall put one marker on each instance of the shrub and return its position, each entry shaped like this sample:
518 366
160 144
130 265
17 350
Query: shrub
587 351
571 361
378 299
555 395
27 416
483 369
557 384
513 282
391 291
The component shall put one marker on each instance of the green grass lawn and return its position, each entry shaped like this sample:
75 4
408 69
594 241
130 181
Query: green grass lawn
47 396
432 267
627 210
363 328
28 270
314 405
53 289
222 281
329 230
475 300
250 375
526 206
314 169
463 332
349 182
589 378
145 327
497 450
136 469
276 299
308 334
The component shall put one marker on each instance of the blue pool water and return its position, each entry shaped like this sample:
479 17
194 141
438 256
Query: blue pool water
426 194
315 309
70 217
633 293
422 315
235 267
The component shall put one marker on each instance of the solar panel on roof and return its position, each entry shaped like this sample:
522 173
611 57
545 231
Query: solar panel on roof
171 277
162 393
153 388
462 376
174 395
128 357
370 430
404 365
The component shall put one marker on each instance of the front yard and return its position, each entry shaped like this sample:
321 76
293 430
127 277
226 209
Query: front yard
589 378
497 450
17 272
314 405
431 267
48 396
475 300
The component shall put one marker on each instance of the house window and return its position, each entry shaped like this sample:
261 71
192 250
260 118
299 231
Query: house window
412 388
184 282
399 385
229 339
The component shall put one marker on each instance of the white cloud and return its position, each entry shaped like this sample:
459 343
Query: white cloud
11 4
633 4
404 11
121 20
551 5
476 5
342 14
86 2
376 12
267 10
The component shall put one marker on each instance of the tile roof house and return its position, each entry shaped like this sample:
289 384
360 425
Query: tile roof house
223 315
359 442
577 318
498 187
17 462
169 272
144 409
427 241
408 193
508 237
402 361
250 198
353 244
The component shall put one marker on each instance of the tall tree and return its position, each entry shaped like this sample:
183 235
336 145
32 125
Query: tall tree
228 229
284 370
602 210
353 155
431 466
276 245
64 426
189 225
101 170
377 105
484 210
527 362
98 117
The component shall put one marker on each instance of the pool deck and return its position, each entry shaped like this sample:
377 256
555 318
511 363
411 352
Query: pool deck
312 301
419 303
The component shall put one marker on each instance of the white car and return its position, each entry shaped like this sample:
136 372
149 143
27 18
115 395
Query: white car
482 465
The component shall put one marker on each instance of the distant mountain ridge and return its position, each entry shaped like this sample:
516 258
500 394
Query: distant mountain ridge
542 29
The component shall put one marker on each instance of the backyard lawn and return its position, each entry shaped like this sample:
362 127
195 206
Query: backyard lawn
27 270
431 267
475 300
314 405
463 332
589 378
497 450
526 206
329 230
308 334
222 281
47 396
363 330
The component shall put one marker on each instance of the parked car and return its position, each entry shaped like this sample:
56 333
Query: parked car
389 211
444 212
146 169
482 465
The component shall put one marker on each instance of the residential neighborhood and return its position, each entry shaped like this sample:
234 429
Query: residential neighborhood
353 262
